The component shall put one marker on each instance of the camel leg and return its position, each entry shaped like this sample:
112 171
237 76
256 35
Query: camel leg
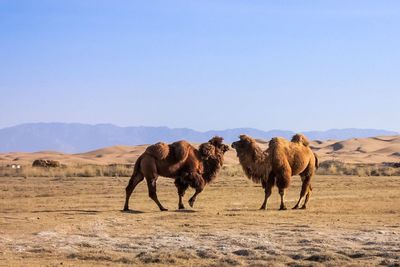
307 197
133 182
283 181
268 189
304 190
282 193
199 186
193 198
151 185
181 186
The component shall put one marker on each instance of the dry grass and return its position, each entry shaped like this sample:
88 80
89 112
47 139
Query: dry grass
330 167
73 221
335 167
69 171
232 170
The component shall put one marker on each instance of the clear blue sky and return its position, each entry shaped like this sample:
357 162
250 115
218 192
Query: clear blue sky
204 64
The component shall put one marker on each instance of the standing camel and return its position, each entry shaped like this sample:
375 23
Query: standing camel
277 164
181 161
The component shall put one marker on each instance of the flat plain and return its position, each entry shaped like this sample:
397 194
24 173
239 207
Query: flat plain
78 221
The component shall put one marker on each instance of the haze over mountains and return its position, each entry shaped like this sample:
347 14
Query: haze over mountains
76 137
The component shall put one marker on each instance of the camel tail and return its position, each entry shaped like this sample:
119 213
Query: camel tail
136 168
316 161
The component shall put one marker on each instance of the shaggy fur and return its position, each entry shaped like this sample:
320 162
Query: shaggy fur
299 138
277 164
252 159
181 161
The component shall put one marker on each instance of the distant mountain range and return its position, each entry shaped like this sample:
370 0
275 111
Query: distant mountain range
76 137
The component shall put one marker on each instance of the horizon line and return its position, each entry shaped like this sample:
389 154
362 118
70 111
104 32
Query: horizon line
201 131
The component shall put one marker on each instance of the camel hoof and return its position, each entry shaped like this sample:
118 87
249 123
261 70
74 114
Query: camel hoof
283 208
295 207
263 208
303 208
126 209
163 209
181 207
191 203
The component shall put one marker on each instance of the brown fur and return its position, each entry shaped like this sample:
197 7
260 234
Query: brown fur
253 159
299 138
277 164
181 161
160 150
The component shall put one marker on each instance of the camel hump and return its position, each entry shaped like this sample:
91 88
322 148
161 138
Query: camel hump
179 150
300 138
159 150
275 142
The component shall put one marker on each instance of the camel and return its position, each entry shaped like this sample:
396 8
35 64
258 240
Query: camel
181 161
277 164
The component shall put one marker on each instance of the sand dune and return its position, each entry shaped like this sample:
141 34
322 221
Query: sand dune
358 150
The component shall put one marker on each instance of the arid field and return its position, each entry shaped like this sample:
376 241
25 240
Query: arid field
49 217
78 221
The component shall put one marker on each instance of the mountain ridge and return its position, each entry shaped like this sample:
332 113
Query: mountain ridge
80 137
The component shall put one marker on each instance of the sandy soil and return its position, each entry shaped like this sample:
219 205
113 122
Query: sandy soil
77 221
356 150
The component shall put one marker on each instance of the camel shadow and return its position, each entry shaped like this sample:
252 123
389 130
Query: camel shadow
255 210
249 209
67 210
132 211
185 211
141 212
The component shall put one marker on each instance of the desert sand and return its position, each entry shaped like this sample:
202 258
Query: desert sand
357 150
77 221
74 221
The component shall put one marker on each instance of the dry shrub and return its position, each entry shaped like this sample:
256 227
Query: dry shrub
69 171
232 171
329 167
335 167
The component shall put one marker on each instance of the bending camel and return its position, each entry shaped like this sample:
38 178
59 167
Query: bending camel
181 161
277 164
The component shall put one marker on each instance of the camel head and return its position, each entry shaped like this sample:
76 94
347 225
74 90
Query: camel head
217 141
220 147
212 155
213 148
244 144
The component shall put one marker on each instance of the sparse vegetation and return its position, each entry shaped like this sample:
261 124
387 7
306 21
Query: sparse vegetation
335 167
112 170
232 171
329 167
78 222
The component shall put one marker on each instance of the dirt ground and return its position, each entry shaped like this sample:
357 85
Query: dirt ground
77 221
